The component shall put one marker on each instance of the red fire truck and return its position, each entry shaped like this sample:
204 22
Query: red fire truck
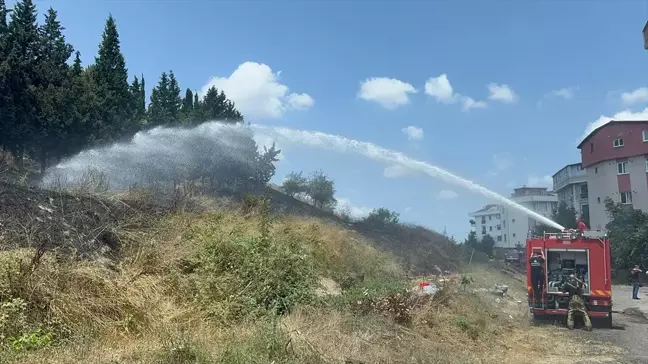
587 256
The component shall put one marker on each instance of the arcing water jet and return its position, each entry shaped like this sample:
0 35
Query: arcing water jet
163 153
335 142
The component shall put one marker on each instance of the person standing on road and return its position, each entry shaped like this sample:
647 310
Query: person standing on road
537 261
634 277
574 288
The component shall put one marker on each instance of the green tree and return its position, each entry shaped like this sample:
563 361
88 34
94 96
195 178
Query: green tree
486 245
188 105
114 116
628 233
20 73
565 215
471 241
138 95
4 96
158 111
382 216
216 107
295 184
52 124
321 190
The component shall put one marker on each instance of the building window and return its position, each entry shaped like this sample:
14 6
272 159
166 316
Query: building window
499 227
512 221
483 230
499 238
622 167
591 147
645 135
490 217
579 167
490 228
483 219
626 197
513 234
497 216
595 169
618 142
504 237
598 199
504 223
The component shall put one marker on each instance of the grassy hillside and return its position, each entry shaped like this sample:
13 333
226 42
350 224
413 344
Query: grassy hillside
114 280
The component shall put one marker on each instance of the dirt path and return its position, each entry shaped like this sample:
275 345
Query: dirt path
630 321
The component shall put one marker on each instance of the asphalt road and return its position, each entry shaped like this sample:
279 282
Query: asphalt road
630 325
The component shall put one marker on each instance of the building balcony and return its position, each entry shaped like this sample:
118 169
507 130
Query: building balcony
573 179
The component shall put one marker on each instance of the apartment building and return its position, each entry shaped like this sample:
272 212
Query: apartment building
509 227
570 185
615 159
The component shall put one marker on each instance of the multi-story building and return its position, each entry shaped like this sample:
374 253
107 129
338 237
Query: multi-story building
615 159
570 185
510 227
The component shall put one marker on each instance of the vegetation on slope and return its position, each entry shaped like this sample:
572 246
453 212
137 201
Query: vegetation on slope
242 285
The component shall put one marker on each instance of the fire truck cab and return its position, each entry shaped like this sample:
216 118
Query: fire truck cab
587 256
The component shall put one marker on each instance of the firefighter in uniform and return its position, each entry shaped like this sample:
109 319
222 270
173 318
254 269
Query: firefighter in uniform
536 261
576 304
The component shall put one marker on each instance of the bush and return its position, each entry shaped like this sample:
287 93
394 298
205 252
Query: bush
387 297
240 276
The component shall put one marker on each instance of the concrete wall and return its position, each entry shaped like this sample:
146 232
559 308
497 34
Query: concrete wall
604 181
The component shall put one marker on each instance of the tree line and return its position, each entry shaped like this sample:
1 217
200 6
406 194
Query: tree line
319 190
52 106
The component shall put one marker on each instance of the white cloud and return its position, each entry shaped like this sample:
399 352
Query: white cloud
544 181
257 93
413 133
300 101
501 93
441 90
447 195
390 93
621 115
396 171
468 103
638 96
566 93
356 212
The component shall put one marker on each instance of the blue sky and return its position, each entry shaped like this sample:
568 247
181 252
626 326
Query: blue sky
554 68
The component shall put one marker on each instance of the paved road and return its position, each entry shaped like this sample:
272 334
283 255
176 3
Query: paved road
630 321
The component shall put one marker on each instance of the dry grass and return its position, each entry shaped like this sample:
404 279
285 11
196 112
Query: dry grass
140 309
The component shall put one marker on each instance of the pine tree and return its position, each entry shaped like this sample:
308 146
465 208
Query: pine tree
52 90
139 112
3 88
20 72
77 69
216 107
173 100
187 110
111 77
157 111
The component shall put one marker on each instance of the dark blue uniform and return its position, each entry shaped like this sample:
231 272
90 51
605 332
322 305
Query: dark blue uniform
537 275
